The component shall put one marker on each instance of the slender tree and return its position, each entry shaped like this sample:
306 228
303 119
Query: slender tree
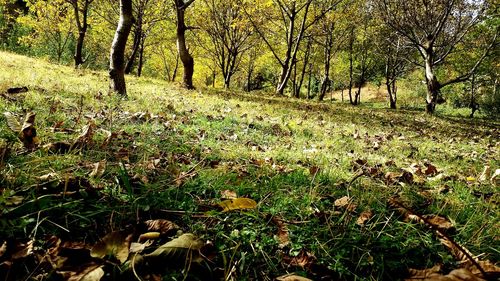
117 53
434 29
81 10
186 58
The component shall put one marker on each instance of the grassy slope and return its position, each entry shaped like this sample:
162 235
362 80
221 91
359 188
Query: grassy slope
263 148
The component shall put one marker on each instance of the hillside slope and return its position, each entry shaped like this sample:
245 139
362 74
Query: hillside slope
336 186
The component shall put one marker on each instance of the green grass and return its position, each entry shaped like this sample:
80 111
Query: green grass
260 146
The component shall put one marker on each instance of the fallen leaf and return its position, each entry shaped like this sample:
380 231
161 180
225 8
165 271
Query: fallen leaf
455 275
14 200
292 277
304 259
439 222
430 170
487 266
3 248
59 147
149 235
85 137
12 122
113 244
342 202
364 217
99 169
89 272
186 246
282 235
495 179
17 90
162 226
486 174
423 273
237 204
228 194
22 250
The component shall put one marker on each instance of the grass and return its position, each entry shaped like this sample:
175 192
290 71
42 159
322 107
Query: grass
295 158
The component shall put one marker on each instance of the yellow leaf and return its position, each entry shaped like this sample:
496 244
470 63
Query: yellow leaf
471 179
237 204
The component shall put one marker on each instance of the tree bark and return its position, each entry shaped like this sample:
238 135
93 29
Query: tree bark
82 25
117 53
325 84
186 58
433 86
135 49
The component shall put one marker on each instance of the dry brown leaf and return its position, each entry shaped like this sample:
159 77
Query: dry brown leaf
3 248
113 244
28 132
12 122
292 277
433 275
439 222
342 202
237 204
364 217
228 194
89 272
303 259
86 135
282 235
99 169
487 266
162 226
424 273
22 250
59 147
430 170
486 174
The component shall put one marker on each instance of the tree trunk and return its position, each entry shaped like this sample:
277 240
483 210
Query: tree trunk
390 82
117 57
473 104
433 86
82 30
186 58
351 45
141 57
135 50
174 73
79 48
325 84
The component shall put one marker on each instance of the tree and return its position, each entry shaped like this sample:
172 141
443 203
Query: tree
52 26
147 14
293 19
229 33
81 12
117 54
186 58
434 29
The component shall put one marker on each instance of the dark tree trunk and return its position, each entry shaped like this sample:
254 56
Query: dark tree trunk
79 48
82 25
473 104
117 53
325 84
186 58
351 49
141 58
135 49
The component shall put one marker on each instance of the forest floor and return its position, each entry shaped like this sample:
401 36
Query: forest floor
222 185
